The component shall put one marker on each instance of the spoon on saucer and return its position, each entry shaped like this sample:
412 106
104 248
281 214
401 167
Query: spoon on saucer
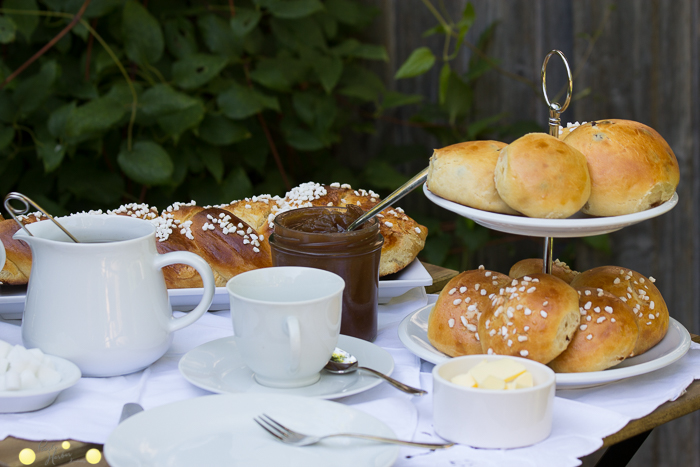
342 362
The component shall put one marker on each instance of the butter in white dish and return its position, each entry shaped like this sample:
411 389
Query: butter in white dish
22 368
503 374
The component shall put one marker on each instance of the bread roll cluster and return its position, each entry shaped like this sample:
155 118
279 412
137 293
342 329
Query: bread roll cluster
234 237
603 168
601 317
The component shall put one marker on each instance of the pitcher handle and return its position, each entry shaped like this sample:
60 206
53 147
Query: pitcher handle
2 256
204 270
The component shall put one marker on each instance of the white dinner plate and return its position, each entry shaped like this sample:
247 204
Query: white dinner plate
219 430
26 400
413 332
579 225
414 275
217 366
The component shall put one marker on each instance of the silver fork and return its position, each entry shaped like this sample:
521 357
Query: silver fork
289 436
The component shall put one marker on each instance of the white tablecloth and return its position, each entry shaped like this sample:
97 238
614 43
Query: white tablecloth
582 418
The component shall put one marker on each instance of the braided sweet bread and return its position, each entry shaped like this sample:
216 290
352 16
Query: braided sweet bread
233 238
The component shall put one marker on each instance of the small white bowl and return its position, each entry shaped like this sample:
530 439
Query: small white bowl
487 418
27 400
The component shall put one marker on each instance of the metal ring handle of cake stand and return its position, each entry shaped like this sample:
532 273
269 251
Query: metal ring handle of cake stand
555 111
26 201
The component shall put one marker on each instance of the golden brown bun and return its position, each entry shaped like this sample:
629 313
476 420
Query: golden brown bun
464 173
632 167
533 318
404 238
639 293
453 321
541 176
18 261
531 266
228 244
607 334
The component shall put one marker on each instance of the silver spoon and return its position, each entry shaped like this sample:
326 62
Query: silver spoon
342 362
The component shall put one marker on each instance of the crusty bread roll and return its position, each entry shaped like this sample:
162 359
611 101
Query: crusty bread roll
639 293
464 173
453 321
607 334
534 317
18 261
531 266
541 176
632 168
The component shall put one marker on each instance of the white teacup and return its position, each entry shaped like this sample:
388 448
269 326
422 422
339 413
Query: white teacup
286 322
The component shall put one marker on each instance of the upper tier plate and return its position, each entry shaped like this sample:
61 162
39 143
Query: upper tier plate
578 226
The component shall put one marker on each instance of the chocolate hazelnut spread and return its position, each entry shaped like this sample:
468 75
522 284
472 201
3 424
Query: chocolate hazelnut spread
317 237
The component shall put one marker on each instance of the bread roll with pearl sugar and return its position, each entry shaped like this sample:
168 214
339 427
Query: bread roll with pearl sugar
464 172
632 167
541 176
18 255
638 292
531 266
453 321
534 317
606 335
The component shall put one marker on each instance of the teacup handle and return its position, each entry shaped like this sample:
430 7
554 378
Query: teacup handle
204 270
294 332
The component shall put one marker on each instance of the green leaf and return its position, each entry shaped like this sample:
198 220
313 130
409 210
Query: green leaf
237 185
98 115
298 34
211 157
86 180
420 61
245 21
58 118
316 110
360 91
328 70
475 129
7 30
26 24
239 102
147 163
51 153
195 70
8 108
291 8
444 81
180 37
278 73
370 52
397 99
162 99
301 138
599 242
382 175
458 98
176 123
328 24
32 92
464 25
220 131
254 150
344 11
143 38
219 37
7 134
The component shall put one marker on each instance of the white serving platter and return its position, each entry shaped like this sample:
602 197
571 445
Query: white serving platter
578 225
413 332
414 275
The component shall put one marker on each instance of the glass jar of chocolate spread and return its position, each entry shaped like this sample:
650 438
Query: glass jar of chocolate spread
317 237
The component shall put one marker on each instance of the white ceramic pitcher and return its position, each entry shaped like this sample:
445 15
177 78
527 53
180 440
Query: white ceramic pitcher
102 303
2 256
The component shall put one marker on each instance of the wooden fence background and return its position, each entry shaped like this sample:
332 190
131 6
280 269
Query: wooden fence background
644 67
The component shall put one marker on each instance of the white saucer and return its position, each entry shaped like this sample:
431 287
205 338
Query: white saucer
579 225
413 332
26 400
217 366
219 430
